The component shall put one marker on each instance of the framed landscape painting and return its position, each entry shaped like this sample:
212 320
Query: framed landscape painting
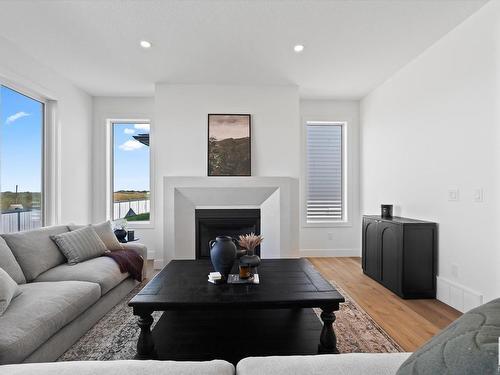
229 145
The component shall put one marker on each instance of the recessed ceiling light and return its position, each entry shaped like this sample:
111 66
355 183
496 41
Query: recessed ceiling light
298 48
145 44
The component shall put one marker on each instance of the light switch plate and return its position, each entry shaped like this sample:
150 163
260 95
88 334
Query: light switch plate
478 195
453 195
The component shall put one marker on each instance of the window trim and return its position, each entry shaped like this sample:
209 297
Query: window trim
110 171
346 216
48 213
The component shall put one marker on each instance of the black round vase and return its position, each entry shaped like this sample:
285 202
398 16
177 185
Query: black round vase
121 234
222 254
250 259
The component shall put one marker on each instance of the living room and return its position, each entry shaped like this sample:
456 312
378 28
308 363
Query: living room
366 164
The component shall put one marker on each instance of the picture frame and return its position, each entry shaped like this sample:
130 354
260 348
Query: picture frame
229 145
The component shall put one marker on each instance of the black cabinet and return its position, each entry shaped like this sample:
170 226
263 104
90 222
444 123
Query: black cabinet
371 258
401 254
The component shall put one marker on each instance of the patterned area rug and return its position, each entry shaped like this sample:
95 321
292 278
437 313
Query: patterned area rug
115 335
357 332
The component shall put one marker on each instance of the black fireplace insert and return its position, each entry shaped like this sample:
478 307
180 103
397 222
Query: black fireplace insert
210 223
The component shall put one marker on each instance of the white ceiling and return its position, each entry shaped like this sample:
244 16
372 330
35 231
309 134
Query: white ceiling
350 46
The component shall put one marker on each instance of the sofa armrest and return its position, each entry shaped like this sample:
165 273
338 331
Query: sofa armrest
139 248
215 367
340 364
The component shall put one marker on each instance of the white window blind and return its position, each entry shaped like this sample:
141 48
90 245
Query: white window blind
324 172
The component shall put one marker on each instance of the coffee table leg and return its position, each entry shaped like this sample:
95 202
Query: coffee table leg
145 344
327 339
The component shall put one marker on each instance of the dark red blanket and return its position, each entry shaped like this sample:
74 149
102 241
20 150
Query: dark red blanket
128 261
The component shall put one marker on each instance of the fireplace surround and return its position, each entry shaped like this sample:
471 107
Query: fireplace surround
275 197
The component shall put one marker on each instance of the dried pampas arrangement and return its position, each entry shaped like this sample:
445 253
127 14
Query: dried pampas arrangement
250 241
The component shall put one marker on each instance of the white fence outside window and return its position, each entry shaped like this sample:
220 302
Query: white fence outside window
139 206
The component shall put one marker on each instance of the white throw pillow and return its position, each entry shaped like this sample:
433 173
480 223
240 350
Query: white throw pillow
106 234
80 245
8 290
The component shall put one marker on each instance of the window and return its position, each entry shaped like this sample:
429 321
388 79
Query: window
130 171
325 172
21 169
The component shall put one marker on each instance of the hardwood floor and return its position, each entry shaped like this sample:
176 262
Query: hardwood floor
150 270
409 322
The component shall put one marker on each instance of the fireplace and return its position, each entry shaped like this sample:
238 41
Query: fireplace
210 223
275 197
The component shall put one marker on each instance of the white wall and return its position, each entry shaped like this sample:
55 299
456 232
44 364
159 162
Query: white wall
434 126
179 132
72 182
115 108
340 240
181 126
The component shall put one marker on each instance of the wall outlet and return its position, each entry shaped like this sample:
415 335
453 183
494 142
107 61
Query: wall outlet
478 195
453 195
454 270
330 236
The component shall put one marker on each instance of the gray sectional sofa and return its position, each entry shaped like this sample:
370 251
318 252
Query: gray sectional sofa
467 346
58 302
338 364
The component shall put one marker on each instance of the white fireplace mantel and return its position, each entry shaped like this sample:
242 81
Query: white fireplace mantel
277 198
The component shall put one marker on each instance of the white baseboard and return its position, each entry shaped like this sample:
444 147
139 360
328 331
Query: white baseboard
304 253
457 296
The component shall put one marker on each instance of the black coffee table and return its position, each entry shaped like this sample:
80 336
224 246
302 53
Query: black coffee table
206 321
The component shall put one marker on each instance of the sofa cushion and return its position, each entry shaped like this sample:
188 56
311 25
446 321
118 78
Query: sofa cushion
338 364
469 345
216 367
103 271
9 263
105 233
80 245
40 311
35 251
8 290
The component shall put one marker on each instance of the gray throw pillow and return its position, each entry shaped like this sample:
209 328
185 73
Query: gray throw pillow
80 245
9 263
8 290
35 251
105 232
469 345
